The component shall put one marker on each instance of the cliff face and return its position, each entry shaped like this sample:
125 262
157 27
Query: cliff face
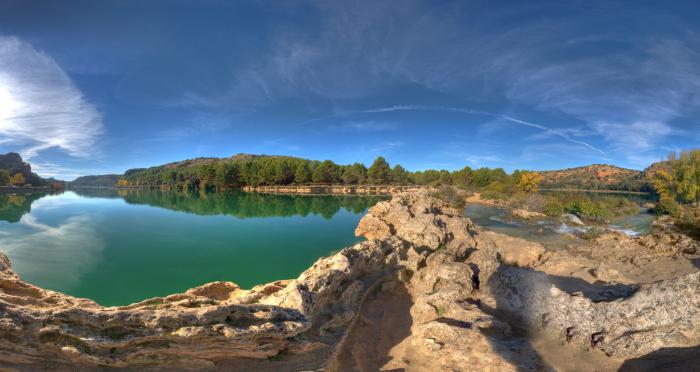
13 163
427 291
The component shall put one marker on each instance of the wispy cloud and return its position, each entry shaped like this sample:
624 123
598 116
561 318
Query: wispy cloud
364 126
40 107
557 132
481 160
386 146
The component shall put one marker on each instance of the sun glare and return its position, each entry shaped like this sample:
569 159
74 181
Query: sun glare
8 105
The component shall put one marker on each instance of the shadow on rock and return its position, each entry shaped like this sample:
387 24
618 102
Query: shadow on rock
511 341
680 359
600 291
383 322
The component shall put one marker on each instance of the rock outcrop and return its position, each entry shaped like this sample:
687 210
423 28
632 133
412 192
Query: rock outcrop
428 290
330 189
526 214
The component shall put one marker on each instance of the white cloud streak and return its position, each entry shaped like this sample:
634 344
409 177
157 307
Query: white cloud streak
40 107
560 133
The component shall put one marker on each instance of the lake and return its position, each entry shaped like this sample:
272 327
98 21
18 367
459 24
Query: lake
122 246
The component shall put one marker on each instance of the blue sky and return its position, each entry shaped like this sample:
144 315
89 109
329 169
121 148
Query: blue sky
91 87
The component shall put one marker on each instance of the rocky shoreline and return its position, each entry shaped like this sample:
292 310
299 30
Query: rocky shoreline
331 189
431 290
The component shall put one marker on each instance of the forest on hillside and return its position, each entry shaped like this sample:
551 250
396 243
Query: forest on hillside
235 172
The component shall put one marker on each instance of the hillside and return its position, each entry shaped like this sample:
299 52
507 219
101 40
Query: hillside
594 177
12 162
106 180
247 169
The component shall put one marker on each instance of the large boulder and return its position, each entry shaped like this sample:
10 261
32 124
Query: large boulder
428 290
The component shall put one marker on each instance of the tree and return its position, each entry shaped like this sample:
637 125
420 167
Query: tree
18 179
481 177
284 174
302 174
328 173
169 177
355 174
379 173
681 178
462 177
445 177
399 175
4 177
227 174
529 181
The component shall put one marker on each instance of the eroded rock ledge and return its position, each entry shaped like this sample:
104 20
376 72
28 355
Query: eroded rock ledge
428 290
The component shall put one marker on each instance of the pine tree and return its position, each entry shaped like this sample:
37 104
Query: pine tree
379 173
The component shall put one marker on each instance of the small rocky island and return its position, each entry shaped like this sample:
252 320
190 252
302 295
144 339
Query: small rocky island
431 290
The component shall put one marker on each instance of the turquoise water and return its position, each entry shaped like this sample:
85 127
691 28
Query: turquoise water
119 247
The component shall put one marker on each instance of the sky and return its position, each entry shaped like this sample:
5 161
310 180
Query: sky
95 87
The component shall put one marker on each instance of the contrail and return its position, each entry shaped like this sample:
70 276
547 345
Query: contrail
460 110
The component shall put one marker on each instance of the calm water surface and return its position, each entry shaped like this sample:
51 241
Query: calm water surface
119 247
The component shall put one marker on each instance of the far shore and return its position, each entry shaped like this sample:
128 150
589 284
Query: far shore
26 189
290 189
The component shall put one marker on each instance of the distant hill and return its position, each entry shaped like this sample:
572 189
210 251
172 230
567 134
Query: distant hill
595 177
13 163
651 170
109 180
591 177
200 161
106 180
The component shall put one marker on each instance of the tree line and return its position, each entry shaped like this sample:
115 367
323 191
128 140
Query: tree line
206 174
678 186
16 179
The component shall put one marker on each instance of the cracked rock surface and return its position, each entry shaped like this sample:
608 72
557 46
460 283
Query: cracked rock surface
428 290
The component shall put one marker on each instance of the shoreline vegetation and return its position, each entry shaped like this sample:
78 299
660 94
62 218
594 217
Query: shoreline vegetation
271 170
598 191
676 182
420 260
330 189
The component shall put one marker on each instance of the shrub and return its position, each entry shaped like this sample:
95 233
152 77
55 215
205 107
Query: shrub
592 233
499 190
667 205
688 221
533 202
553 208
450 195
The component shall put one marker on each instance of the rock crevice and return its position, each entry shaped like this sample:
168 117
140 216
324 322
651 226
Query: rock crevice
427 290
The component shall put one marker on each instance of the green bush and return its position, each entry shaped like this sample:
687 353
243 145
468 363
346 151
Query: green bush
667 205
499 190
553 208
688 221
595 208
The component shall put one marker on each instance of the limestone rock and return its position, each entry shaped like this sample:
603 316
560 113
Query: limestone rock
428 290
526 214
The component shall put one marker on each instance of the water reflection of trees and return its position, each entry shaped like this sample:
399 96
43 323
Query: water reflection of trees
14 206
238 204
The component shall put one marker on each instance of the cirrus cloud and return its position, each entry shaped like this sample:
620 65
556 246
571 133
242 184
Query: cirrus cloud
40 107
